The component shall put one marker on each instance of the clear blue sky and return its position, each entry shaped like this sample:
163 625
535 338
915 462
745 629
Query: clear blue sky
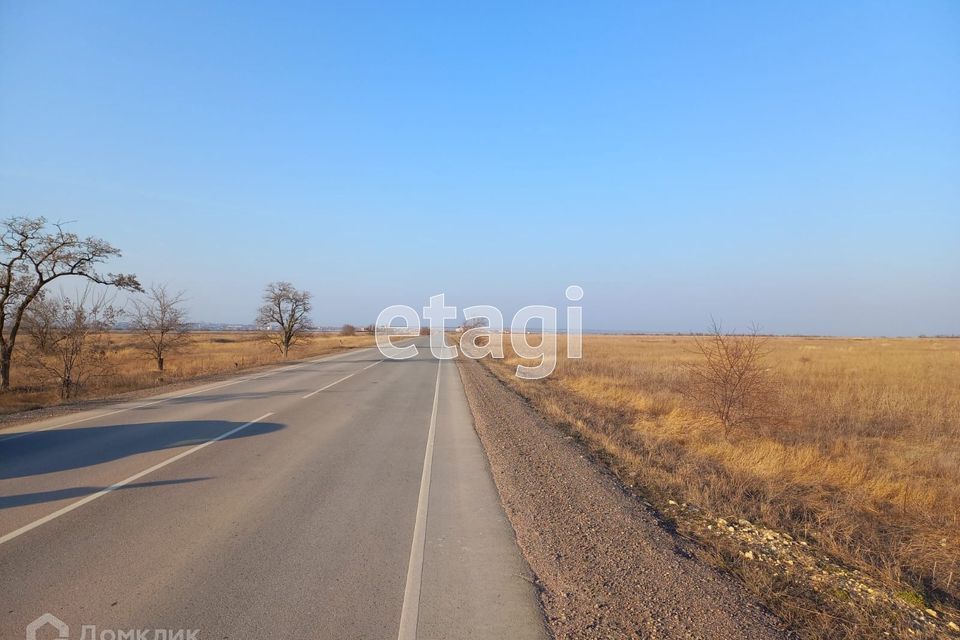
791 164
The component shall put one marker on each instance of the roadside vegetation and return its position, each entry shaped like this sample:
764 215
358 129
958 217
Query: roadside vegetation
56 346
830 485
123 366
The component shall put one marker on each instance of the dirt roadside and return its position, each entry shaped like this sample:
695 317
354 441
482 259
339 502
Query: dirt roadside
605 566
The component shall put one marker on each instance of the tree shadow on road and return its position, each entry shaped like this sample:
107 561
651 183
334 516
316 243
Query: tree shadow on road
37 497
41 452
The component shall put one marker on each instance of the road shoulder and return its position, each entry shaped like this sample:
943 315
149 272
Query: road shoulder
476 584
605 566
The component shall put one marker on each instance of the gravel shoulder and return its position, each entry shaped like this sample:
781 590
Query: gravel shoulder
605 566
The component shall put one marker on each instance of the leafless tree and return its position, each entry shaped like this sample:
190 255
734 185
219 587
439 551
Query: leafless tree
730 379
38 322
284 314
34 253
161 321
475 323
473 334
75 347
348 330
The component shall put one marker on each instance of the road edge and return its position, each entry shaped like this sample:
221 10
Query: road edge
604 565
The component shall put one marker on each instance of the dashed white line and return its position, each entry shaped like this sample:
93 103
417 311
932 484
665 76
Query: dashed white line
79 503
410 613
143 405
335 382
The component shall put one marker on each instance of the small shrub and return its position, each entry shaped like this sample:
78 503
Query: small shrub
730 379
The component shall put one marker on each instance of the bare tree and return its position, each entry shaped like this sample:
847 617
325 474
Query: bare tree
348 330
730 379
473 334
161 321
284 314
475 323
75 347
33 254
38 322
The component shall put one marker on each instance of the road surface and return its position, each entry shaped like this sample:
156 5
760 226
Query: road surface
344 497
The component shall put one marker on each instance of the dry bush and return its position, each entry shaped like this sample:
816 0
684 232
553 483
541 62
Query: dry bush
348 330
731 380
866 467
69 339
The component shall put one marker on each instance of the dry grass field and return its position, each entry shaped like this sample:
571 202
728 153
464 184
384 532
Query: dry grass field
131 368
863 464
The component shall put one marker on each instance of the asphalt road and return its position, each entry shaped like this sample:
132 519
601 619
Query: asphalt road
345 497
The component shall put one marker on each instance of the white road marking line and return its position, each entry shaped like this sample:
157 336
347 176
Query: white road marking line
313 393
143 405
79 503
410 613
23 434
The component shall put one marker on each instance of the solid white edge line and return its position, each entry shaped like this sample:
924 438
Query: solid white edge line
347 377
410 613
14 436
79 503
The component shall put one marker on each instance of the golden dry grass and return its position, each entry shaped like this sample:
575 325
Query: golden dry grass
204 353
866 463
